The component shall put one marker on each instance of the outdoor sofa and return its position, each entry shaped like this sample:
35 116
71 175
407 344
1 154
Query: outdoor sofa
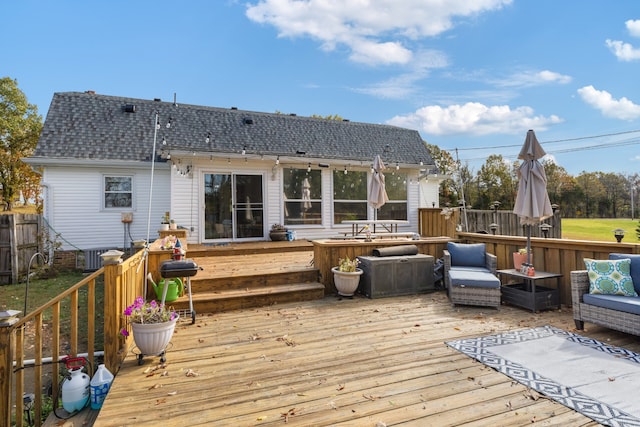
470 275
618 312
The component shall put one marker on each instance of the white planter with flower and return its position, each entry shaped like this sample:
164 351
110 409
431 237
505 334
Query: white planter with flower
152 325
346 276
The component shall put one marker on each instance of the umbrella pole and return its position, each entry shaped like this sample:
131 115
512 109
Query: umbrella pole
529 244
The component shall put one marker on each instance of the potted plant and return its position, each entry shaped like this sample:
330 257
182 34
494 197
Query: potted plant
346 276
173 225
519 257
278 232
152 325
164 222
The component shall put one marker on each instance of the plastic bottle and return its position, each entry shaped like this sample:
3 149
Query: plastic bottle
100 384
75 391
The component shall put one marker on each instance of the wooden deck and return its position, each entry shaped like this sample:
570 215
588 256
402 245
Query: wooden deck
352 362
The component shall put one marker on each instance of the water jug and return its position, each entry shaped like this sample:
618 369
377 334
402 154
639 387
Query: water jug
75 391
100 384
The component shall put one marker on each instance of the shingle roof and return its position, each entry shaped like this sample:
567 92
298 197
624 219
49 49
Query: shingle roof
90 126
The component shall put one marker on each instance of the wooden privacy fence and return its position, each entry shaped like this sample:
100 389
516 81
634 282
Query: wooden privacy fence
508 223
20 237
85 319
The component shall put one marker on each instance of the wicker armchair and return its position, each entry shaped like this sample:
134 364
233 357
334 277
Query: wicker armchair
609 318
474 285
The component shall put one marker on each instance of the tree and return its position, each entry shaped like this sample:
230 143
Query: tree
495 183
446 165
20 127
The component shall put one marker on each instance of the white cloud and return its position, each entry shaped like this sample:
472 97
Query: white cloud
623 51
534 78
376 31
401 86
601 100
473 118
633 26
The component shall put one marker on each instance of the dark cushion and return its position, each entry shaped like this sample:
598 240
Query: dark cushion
473 279
635 268
614 302
467 254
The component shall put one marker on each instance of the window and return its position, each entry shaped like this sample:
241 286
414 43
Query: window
302 191
396 207
118 192
349 196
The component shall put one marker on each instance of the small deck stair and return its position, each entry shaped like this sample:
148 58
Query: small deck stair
238 276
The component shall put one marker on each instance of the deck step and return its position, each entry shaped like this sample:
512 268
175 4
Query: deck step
234 299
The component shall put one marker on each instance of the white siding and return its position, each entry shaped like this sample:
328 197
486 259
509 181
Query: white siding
73 206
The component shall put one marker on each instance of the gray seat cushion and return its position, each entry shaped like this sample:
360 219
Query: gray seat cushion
614 302
473 278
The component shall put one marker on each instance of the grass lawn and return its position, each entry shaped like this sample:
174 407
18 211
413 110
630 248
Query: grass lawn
41 291
599 229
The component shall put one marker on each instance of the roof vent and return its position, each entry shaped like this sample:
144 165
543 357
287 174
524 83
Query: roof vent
301 152
345 120
248 121
129 108
157 99
90 92
234 108
293 114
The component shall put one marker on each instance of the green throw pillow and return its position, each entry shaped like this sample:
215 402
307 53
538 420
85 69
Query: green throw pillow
610 277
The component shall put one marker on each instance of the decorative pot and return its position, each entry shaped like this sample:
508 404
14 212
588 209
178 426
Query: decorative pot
278 236
164 227
346 281
153 338
518 259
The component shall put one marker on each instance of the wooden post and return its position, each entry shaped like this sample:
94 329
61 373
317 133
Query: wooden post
7 350
112 298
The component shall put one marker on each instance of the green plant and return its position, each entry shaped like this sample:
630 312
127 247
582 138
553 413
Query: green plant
522 251
148 312
348 265
278 227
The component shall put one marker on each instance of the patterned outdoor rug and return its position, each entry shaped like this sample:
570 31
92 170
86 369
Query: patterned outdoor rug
593 378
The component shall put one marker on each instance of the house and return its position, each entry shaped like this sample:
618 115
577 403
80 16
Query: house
113 166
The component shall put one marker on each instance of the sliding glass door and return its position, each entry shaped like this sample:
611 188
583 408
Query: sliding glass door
233 206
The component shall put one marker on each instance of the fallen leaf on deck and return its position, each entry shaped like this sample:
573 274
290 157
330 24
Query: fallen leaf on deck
340 387
370 397
155 386
160 401
456 328
286 340
290 413
261 418
200 340
172 393
191 373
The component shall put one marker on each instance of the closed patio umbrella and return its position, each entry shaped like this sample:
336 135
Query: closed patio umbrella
532 201
377 196
306 194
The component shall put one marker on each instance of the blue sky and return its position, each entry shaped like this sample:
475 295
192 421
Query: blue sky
471 75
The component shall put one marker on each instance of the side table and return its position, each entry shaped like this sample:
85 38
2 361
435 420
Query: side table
521 290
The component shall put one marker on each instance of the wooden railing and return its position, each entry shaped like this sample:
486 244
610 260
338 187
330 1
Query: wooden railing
46 339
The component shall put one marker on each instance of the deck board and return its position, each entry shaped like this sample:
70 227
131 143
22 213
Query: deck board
338 362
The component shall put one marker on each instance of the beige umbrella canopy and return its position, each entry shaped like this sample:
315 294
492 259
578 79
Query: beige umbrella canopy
532 201
306 194
377 196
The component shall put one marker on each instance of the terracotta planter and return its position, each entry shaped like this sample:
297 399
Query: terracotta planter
518 259
346 282
153 338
